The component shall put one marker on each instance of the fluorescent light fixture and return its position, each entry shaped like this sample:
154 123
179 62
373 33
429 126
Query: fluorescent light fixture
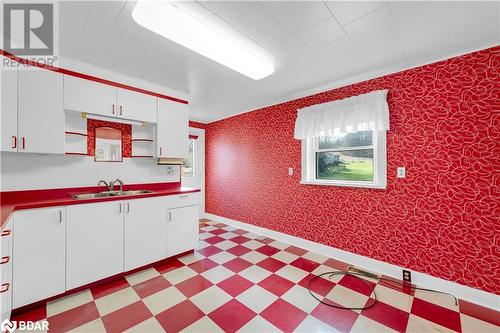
165 19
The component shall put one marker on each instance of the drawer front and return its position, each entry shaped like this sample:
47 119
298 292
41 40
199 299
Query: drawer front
182 200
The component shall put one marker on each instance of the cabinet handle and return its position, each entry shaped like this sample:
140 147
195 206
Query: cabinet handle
183 196
113 109
161 151
121 110
4 260
5 287
24 142
14 142
170 216
128 207
5 233
120 207
60 216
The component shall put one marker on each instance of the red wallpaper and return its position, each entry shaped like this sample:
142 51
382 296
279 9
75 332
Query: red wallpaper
126 135
443 219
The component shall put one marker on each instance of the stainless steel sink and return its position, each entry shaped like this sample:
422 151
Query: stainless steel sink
108 194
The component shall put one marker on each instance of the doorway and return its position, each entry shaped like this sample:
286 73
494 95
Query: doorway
193 169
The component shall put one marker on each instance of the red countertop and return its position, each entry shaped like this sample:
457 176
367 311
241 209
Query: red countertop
16 200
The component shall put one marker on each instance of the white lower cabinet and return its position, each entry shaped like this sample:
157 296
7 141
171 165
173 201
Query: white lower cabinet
38 255
145 228
182 223
58 249
94 245
6 271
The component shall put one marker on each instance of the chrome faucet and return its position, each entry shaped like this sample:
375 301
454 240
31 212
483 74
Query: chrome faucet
108 186
119 181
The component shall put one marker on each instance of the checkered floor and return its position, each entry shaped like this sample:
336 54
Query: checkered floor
239 281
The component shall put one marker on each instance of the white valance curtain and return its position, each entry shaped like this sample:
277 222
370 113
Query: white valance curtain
358 113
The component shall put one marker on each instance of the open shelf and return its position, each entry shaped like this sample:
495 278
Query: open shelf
75 133
77 154
142 141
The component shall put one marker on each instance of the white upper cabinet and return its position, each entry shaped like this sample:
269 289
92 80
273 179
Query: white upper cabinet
8 112
40 112
136 106
173 129
89 96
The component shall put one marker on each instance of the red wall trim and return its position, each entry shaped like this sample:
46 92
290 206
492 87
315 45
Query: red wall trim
89 77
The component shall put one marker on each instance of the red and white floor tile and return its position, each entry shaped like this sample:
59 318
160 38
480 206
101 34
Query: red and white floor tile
241 282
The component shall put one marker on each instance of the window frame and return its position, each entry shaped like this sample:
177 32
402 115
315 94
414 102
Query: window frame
195 151
309 148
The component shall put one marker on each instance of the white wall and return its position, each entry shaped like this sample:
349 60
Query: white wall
20 171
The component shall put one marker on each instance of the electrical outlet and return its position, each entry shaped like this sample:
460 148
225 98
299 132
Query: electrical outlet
290 171
406 276
401 172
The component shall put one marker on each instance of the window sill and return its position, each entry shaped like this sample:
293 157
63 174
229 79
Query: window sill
345 184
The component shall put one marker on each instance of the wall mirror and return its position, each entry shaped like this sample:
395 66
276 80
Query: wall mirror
108 144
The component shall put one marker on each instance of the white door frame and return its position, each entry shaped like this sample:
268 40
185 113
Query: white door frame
198 180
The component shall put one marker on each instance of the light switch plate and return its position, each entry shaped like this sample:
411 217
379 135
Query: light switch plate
290 171
401 172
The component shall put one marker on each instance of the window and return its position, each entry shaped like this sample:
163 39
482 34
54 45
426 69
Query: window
189 162
355 159
344 141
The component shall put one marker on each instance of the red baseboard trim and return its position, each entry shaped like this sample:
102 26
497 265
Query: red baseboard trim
31 306
88 77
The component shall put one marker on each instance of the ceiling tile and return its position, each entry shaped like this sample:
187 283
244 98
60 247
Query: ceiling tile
347 11
382 50
471 22
322 34
377 22
300 16
337 50
423 28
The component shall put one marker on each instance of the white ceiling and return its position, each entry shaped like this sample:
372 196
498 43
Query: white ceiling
315 45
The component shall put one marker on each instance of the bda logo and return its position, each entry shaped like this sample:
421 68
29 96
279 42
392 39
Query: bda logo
8 325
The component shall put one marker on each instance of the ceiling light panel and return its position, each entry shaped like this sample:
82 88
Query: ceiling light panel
177 25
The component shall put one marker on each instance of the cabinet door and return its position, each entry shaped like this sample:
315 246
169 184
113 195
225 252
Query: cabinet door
172 130
136 106
40 111
38 255
9 110
6 270
145 229
182 230
94 242
89 96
